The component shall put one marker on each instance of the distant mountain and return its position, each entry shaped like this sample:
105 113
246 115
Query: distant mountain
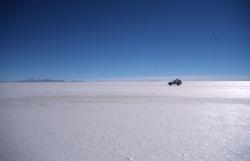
39 79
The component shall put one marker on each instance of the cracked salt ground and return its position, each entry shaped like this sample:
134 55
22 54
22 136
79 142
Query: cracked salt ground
125 121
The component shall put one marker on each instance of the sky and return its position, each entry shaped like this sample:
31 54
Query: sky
101 39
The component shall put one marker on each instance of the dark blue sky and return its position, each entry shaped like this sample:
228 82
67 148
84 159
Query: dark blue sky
105 39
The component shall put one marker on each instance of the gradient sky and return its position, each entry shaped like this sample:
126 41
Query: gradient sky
104 39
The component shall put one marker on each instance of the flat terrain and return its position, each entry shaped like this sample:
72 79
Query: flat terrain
125 121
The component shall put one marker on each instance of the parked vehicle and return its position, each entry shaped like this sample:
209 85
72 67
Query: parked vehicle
177 82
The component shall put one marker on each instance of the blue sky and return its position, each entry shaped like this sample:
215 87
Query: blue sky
97 39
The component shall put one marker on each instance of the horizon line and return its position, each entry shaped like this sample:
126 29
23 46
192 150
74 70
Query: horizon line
142 78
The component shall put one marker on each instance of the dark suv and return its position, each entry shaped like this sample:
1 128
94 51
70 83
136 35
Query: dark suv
177 82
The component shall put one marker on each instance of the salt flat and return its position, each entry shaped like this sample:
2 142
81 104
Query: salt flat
125 121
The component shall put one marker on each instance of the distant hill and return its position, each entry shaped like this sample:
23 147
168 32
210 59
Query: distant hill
39 79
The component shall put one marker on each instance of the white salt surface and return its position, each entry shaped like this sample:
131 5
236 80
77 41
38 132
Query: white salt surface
125 121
